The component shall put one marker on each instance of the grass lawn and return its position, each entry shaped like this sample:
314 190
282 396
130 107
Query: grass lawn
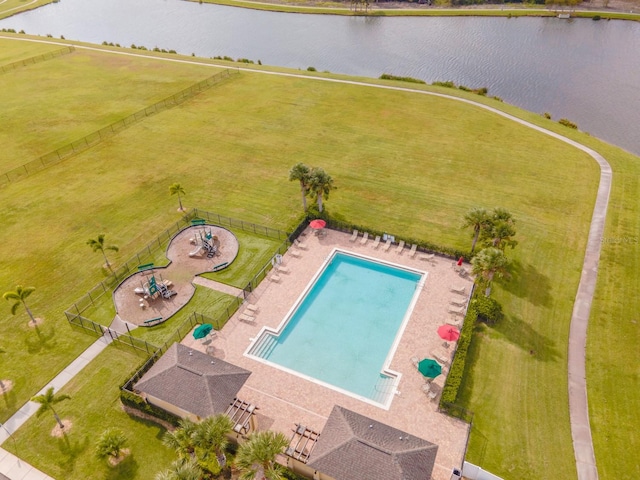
12 51
11 7
94 406
404 163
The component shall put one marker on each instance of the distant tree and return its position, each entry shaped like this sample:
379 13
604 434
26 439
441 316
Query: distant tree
300 172
256 458
478 219
111 444
488 264
181 470
320 184
177 189
47 400
19 295
97 244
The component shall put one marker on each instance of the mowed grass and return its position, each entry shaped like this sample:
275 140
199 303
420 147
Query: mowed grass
404 163
60 111
11 7
16 51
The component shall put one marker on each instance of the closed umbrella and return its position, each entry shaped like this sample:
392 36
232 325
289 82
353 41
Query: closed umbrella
448 333
202 331
429 368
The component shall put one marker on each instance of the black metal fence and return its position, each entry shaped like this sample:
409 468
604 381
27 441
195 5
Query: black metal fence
37 59
96 137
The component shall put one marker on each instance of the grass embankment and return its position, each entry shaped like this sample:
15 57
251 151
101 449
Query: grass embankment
404 163
12 7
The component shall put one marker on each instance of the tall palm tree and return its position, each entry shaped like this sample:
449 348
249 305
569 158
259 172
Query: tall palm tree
47 400
181 470
19 295
177 189
300 172
478 219
320 184
182 439
500 230
487 264
111 444
210 436
97 244
256 458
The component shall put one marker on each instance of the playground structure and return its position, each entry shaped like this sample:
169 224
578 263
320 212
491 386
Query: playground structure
204 241
153 289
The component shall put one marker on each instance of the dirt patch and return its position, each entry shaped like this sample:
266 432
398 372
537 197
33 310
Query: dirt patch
60 432
114 461
38 322
5 387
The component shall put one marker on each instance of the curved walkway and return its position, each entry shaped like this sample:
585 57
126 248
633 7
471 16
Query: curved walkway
578 404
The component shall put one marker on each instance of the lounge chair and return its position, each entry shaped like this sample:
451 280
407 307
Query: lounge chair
274 277
456 310
458 302
247 318
455 321
412 252
376 242
400 247
428 257
251 307
426 388
282 269
387 244
354 236
432 394
415 361
460 290
294 253
365 237
299 244
440 357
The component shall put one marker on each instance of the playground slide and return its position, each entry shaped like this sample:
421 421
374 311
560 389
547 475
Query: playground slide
196 251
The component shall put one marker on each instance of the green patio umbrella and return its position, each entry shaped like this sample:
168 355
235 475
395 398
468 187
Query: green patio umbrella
202 331
429 368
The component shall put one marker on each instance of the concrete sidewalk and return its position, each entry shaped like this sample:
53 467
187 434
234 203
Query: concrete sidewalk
10 465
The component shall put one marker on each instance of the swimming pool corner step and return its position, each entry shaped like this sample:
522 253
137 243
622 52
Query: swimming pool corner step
264 346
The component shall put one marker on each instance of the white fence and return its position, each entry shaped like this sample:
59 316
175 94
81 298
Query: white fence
473 472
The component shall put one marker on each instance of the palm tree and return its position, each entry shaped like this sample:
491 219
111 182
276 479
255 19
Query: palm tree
97 244
489 263
211 436
176 189
500 231
47 400
182 439
478 219
256 458
111 444
181 470
300 172
19 295
320 184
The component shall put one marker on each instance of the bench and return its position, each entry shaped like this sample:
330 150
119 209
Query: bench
146 266
198 221
152 320
220 266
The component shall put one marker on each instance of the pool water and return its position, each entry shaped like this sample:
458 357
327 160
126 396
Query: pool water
344 328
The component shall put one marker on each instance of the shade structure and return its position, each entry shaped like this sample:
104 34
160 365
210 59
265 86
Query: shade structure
429 368
317 224
448 333
202 330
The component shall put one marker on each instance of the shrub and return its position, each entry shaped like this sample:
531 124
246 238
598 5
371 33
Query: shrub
22 31
311 69
136 401
448 84
388 76
464 88
487 309
499 99
596 18
547 115
244 60
568 123
456 372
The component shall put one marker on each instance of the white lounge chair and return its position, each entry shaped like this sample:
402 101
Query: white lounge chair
387 245
458 302
455 321
400 247
412 252
376 242
274 277
365 237
299 244
426 388
456 310
354 235
251 307
282 269
460 290
247 318
428 256
294 253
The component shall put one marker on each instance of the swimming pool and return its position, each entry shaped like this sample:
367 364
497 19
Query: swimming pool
344 328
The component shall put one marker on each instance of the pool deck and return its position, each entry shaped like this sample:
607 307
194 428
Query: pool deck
284 399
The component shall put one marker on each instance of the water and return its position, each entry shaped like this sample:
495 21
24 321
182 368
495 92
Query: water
586 71
342 331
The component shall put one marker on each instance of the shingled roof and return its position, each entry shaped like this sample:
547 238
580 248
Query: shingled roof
352 447
193 381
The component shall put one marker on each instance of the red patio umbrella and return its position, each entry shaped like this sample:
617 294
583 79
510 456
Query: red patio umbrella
317 224
448 333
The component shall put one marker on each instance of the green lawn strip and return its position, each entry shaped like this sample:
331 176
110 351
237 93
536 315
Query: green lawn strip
12 51
58 112
205 301
13 7
94 406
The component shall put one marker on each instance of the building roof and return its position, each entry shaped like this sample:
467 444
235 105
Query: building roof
193 381
352 447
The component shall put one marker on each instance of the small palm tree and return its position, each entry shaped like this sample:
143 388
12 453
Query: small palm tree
211 436
176 189
97 244
47 400
320 184
19 295
256 458
487 264
111 444
478 219
181 470
182 439
300 172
